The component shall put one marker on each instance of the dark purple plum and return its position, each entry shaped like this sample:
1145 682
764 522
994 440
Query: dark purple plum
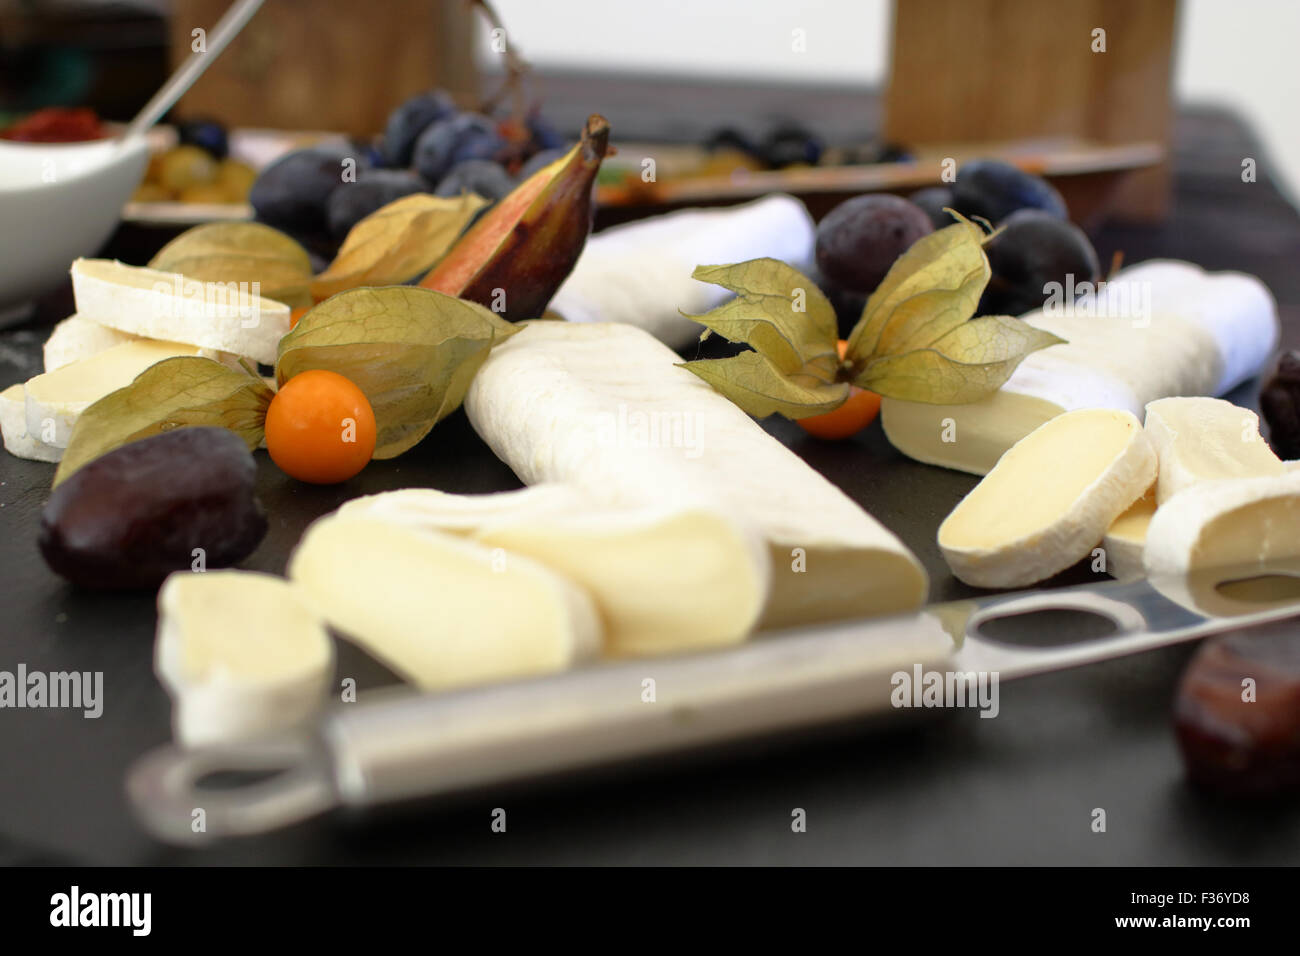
454 140
540 160
543 132
408 121
935 200
1034 249
352 202
994 189
481 176
290 194
860 238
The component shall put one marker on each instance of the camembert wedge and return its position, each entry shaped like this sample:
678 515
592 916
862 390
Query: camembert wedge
1206 439
55 400
1049 500
240 654
228 317
439 610
1242 521
663 579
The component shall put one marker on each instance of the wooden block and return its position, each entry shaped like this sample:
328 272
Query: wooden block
327 64
978 70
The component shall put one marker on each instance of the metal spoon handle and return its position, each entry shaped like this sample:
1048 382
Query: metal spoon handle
240 12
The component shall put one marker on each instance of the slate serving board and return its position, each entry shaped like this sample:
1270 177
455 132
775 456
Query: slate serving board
1017 789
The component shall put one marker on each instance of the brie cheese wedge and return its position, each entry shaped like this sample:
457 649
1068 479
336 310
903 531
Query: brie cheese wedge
240 654
1126 538
13 427
714 572
1156 330
1242 521
439 610
167 306
603 407
1049 500
1206 439
55 400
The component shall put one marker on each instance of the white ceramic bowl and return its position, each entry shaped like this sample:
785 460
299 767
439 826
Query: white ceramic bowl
58 202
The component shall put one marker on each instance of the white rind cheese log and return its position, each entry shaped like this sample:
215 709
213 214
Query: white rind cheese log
1049 500
1203 334
440 610
628 559
1241 521
1206 439
170 307
603 407
640 273
240 654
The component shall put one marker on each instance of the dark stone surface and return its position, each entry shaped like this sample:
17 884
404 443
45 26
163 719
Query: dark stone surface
1018 790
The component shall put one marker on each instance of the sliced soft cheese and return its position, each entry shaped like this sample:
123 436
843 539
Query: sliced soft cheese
1126 538
1206 439
1156 330
55 400
440 610
640 272
1049 500
13 427
628 558
1240 521
164 305
240 654
604 407
77 338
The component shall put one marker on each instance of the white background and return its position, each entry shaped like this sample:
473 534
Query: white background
1242 53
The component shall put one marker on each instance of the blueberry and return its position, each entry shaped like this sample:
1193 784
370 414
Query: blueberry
860 238
1033 249
995 189
541 160
291 193
352 202
208 135
408 121
480 176
788 145
933 200
453 140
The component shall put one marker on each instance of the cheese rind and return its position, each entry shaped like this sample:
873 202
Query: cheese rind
440 610
77 338
13 428
714 572
640 272
1158 329
1242 521
604 407
55 400
170 307
1126 539
1206 439
1049 499
240 654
